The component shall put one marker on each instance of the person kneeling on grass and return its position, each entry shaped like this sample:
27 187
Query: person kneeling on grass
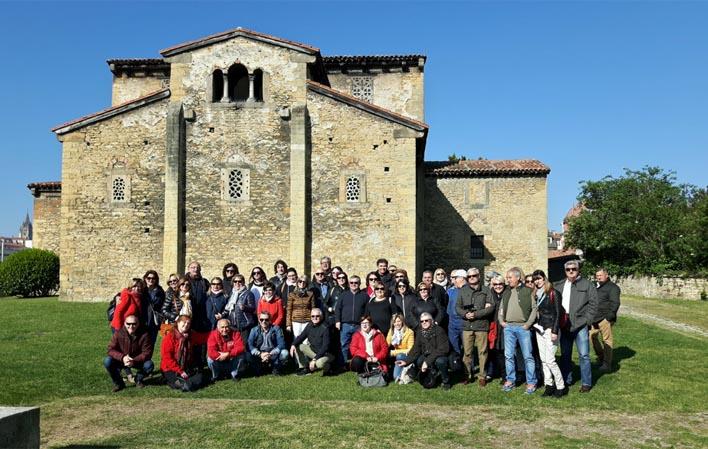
311 347
266 344
130 347
225 351
430 349
179 365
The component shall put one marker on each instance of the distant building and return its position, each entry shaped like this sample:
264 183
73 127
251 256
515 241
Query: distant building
11 245
26 228
558 252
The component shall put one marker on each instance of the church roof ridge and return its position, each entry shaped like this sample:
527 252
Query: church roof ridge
235 32
486 167
368 107
112 111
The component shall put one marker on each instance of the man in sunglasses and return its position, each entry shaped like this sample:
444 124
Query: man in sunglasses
130 347
267 346
311 347
430 348
579 301
348 312
474 307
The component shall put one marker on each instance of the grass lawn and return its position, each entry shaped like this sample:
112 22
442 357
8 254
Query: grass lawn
694 313
51 352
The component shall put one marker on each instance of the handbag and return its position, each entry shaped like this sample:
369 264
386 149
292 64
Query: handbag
372 376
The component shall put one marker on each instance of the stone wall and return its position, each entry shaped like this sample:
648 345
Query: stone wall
104 244
126 88
664 288
401 92
509 212
348 141
46 226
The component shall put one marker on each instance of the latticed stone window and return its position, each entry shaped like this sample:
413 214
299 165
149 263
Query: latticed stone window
363 88
353 189
118 190
236 184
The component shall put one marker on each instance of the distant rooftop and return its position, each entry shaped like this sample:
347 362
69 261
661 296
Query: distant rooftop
485 167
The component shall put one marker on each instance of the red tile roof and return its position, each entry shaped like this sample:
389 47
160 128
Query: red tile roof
340 62
484 167
225 35
556 253
574 212
112 111
368 107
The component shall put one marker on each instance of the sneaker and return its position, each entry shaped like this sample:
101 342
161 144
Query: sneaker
446 386
117 388
549 391
508 386
585 388
530 389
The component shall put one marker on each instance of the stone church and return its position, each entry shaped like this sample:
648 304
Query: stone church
246 147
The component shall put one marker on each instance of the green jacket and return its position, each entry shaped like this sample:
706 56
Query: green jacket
476 301
526 301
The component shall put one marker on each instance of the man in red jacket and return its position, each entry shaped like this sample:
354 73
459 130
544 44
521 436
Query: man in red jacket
130 347
225 351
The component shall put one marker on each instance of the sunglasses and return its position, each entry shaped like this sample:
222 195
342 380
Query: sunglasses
315 316
571 269
238 281
230 270
373 279
401 286
379 289
529 281
341 277
172 281
354 283
319 274
131 324
150 278
264 320
497 285
425 321
472 276
423 289
302 282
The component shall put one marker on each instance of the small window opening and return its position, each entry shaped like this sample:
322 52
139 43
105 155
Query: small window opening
217 86
477 247
238 83
388 200
236 184
353 193
258 84
386 168
118 193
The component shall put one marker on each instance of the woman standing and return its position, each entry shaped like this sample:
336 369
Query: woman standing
241 308
281 270
440 278
230 270
152 308
271 304
496 363
128 304
380 308
548 303
172 304
371 278
400 341
404 298
300 302
426 304
216 301
257 282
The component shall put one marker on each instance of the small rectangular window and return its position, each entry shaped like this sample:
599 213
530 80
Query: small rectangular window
236 184
118 194
477 247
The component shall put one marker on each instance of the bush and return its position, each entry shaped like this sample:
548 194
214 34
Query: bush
31 272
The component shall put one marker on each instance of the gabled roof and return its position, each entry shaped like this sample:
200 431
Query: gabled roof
40 187
343 63
236 32
112 111
484 167
367 107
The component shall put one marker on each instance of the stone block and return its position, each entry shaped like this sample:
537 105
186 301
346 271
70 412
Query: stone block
19 427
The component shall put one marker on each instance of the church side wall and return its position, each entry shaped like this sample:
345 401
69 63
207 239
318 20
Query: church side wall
103 243
45 231
400 92
348 141
509 212
127 88
245 136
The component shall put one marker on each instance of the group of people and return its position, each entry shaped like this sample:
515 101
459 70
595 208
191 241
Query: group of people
334 322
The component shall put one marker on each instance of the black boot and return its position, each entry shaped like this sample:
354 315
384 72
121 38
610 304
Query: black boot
550 390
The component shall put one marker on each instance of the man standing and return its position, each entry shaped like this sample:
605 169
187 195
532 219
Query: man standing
454 333
384 274
348 313
198 295
579 307
430 348
326 268
267 346
608 302
130 347
311 347
517 313
437 293
474 306
225 351
321 287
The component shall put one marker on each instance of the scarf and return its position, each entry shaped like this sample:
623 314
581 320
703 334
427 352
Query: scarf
184 350
233 299
369 339
186 304
427 333
443 283
397 337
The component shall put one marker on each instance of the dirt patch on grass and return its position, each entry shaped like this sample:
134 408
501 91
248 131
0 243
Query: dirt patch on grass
90 420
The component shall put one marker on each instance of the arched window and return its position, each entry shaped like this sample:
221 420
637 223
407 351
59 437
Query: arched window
238 83
258 84
217 86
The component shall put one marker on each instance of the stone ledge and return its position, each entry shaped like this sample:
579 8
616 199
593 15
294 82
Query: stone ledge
19 427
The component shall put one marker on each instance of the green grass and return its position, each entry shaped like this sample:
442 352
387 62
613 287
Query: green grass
684 311
51 354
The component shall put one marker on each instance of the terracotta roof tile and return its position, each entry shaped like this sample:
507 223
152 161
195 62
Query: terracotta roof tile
574 212
218 37
514 167
372 108
110 112
48 186
558 253
338 60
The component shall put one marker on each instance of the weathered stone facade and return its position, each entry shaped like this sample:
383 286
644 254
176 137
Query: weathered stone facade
249 148
47 204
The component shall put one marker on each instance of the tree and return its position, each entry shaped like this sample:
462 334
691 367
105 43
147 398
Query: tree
642 223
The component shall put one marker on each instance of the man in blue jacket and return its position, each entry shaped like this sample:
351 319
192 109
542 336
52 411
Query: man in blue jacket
266 345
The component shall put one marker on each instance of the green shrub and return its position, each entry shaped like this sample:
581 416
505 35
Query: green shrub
31 272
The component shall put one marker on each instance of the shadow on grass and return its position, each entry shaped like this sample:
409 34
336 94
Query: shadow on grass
88 446
618 355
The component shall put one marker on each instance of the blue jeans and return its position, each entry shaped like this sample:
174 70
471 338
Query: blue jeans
512 334
455 336
581 337
398 369
114 367
276 362
227 367
345 337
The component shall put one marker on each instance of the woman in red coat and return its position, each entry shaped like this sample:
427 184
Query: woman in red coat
179 366
128 304
368 346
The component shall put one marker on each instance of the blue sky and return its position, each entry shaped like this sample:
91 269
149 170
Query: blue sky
589 88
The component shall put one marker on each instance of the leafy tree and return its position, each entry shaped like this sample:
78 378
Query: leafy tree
30 272
455 158
642 223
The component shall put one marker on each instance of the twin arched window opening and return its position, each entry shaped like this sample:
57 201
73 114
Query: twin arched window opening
237 85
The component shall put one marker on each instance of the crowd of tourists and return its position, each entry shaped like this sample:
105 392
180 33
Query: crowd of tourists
457 327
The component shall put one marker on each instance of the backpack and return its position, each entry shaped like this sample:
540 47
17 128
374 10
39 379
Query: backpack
430 378
111 310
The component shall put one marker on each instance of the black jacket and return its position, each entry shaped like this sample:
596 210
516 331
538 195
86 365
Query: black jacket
435 345
317 336
549 311
405 304
431 306
350 307
381 313
608 302
171 306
